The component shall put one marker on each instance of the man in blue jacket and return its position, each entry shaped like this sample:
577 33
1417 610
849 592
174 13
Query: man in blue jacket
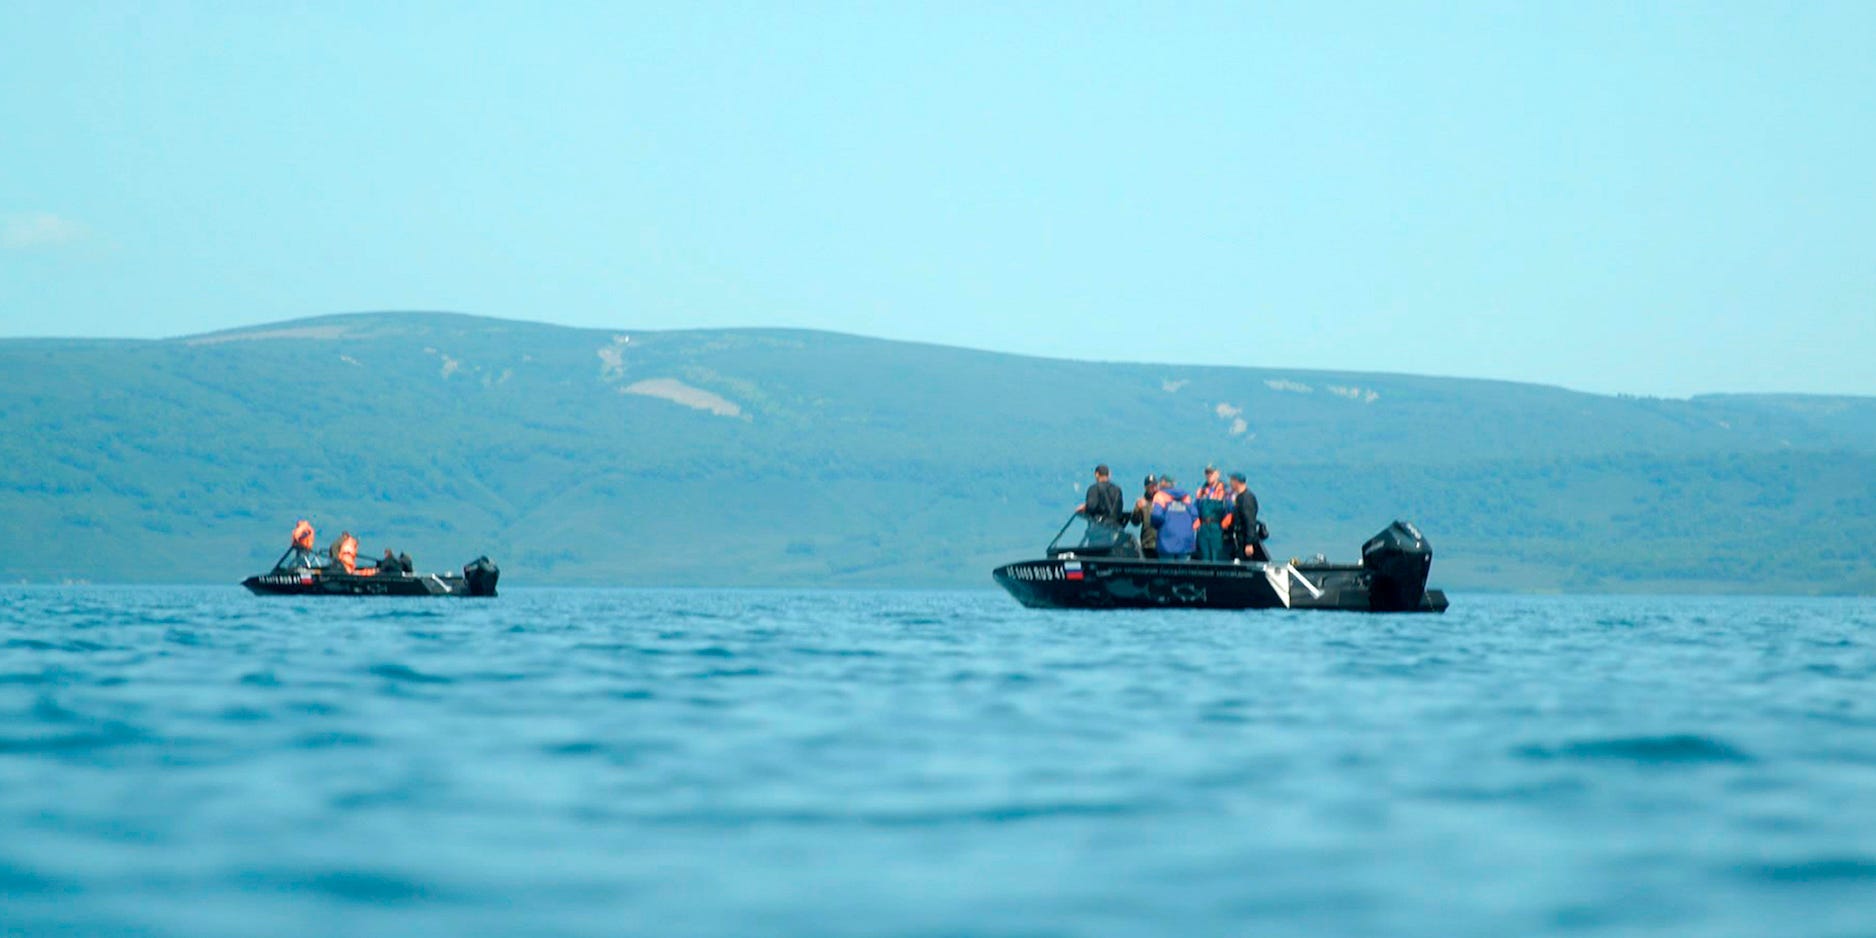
1176 517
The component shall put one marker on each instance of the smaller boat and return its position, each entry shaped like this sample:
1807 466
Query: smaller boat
301 572
1104 569
476 579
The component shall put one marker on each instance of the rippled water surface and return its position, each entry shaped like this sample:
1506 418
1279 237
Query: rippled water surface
200 762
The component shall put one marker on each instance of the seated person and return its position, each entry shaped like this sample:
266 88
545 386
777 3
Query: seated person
345 552
395 564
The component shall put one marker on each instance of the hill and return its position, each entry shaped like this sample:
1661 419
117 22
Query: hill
778 457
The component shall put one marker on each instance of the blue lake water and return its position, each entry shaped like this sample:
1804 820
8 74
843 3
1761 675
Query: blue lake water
200 762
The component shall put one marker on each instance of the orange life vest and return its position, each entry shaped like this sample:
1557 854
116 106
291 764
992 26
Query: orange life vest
1216 492
346 553
303 534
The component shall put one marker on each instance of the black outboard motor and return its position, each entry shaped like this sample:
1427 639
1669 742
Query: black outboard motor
481 574
1399 560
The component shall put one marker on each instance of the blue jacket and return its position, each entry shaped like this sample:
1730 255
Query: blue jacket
1173 517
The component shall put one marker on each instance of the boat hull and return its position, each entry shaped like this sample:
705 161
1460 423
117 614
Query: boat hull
1070 582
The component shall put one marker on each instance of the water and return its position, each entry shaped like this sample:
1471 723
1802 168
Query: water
201 762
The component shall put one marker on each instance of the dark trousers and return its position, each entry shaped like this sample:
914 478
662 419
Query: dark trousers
1211 544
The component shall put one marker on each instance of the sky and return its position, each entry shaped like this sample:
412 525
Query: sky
1645 198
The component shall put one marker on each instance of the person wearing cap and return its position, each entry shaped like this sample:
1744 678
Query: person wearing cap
1176 517
1143 516
1102 508
1249 540
1103 503
1214 506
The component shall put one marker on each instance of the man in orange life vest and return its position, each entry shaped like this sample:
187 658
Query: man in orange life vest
1214 506
301 556
346 553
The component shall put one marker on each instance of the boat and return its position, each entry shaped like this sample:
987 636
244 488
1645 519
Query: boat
1104 569
302 572
477 578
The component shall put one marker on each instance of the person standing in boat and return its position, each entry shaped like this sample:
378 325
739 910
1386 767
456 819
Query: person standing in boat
1248 531
1176 517
1214 506
300 556
1102 507
1103 502
1143 516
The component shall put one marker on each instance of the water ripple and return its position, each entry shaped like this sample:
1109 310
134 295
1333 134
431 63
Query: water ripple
1646 750
400 672
351 885
1818 870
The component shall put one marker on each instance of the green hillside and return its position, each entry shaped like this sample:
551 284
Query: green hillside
778 457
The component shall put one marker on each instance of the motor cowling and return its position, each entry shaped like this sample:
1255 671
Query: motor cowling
1398 559
481 574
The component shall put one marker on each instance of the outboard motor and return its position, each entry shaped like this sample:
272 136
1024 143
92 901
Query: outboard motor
1399 560
481 574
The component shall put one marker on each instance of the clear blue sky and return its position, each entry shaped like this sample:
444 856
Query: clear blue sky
1661 198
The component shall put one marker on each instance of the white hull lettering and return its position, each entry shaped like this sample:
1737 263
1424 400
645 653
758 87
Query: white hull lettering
1037 574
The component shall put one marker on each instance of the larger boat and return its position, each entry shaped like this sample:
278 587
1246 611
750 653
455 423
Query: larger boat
1103 568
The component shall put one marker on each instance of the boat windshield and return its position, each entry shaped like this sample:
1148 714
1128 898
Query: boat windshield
1086 539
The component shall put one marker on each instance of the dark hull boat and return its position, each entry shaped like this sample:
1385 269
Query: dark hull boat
476 579
1109 573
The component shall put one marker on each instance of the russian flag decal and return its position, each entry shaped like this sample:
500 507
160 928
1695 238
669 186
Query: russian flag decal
1072 570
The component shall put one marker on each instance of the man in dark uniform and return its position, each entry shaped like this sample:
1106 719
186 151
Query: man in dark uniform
1103 503
1250 542
1143 517
1102 508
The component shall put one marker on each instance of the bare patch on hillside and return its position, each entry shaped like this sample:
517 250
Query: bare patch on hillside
677 392
302 332
450 365
1364 395
1235 415
612 358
